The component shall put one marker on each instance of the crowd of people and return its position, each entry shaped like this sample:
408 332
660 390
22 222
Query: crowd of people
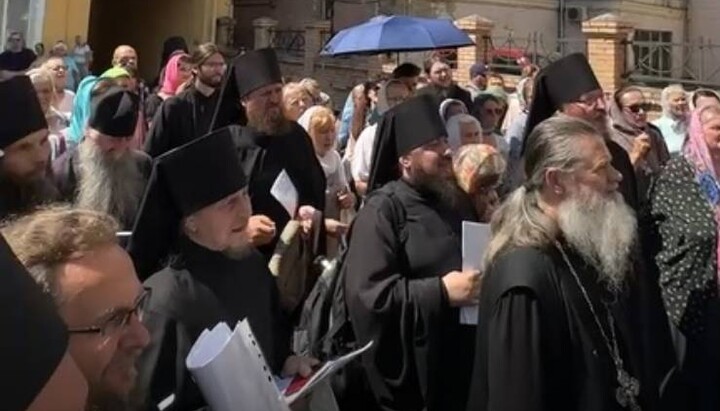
147 212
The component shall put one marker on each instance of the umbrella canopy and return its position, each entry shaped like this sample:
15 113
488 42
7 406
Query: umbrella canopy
390 34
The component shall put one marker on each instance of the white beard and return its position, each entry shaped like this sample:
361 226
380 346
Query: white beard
111 185
603 230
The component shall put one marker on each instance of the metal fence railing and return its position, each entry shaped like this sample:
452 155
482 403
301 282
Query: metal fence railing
289 42
657 63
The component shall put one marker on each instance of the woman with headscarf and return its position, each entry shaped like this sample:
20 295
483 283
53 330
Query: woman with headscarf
685 223
674 120
464 129
177 72
81 110
478 171
319 122
390 94
451 107
641 140
171 46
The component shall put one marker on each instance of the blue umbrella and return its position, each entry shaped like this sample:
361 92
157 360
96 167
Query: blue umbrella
391 34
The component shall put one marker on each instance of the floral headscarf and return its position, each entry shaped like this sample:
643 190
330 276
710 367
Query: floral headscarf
473 162
696 153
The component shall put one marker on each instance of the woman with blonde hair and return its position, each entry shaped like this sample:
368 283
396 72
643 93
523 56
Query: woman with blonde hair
44 85
319 122
296 99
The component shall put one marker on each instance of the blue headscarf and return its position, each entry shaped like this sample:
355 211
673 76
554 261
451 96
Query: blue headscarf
81 109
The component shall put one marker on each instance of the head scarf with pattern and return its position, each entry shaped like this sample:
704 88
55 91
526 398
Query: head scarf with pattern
696 152
476 162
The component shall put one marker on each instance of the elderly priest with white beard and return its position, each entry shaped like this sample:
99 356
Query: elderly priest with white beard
103 173
555 332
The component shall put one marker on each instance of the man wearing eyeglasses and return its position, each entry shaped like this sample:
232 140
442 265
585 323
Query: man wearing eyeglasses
570 87
74 255
16 58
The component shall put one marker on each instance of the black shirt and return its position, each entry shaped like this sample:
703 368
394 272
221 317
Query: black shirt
20 61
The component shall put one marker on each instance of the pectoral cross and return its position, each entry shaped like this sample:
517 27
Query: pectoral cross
627 393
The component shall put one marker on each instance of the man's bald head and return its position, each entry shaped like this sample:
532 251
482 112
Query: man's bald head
125 56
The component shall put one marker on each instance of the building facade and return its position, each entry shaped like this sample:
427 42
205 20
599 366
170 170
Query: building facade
144 24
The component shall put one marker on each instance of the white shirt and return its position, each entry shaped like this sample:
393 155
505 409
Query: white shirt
80 53
362 155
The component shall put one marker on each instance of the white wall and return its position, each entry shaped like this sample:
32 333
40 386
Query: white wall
703 18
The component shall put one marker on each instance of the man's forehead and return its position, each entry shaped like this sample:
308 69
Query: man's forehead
592 94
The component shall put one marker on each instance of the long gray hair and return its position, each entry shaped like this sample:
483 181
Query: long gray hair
520 222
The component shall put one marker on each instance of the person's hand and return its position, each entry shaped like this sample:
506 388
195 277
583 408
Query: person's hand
346 199
260 230
641 148
306 214
335 228
297 365
463 287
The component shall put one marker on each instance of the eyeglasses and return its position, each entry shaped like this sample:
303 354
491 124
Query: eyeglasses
636 108
117 319
592 99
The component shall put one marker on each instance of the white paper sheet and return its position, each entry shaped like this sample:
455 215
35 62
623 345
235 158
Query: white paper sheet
475 239
227 374
285 193
323 373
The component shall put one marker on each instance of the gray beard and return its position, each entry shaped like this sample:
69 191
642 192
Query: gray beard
603 230
110 185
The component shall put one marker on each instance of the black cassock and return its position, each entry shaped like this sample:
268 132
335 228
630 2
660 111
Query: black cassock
66 174
422 357
621 162
264 157
179 120
198 290
539 347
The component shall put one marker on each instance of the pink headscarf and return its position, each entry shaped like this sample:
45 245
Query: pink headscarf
696 153
171 79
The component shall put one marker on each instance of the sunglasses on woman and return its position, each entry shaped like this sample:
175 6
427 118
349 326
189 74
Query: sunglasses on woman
636 108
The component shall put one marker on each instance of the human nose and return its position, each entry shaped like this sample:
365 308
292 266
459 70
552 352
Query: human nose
137 334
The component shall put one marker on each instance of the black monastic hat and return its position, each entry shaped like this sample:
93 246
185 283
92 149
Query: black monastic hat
563 81
20 110
247 73
183 181
115 112
402 129
34 339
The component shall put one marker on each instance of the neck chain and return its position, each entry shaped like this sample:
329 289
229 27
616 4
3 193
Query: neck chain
628 390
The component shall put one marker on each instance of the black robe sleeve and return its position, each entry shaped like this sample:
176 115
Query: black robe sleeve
152 105
385 305
63 175
628 185
514 354
175 317
165 125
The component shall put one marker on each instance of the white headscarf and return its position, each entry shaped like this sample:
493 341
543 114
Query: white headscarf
445 106
453 129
